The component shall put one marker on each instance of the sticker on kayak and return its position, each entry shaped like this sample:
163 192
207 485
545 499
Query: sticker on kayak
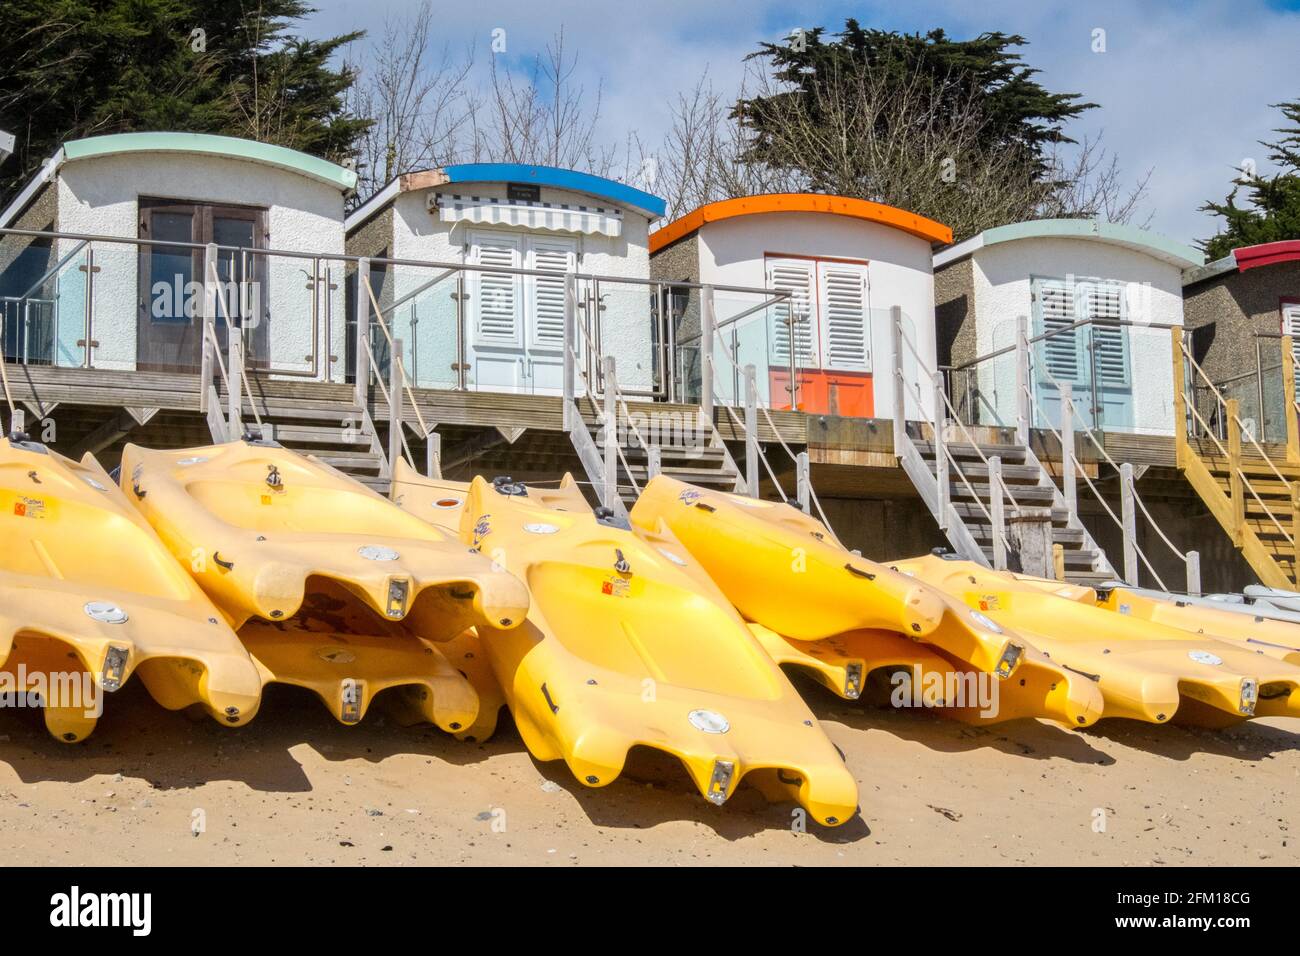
1125 609
689 496
377 552
672 557
1205 657
541 527
482 528
616 587
987 602
24 506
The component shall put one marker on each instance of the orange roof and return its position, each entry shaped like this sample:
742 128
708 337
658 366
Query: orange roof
908 222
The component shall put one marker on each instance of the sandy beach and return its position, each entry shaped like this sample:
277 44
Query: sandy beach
295 787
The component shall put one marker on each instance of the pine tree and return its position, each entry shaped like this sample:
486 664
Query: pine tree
1273 212
75 68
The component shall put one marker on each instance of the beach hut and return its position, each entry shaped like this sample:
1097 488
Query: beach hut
841 264
1097 299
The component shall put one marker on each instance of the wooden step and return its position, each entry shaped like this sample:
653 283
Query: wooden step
297 434
962 450
967 509
1024 494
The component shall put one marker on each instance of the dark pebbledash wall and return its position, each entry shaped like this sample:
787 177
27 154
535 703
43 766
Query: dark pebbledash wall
1224 314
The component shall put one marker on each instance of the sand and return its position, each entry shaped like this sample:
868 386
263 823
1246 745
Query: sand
295 787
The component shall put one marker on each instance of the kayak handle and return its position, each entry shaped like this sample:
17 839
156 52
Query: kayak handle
216 559
858 572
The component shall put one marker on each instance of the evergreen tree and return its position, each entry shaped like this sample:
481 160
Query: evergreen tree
75 68
1273 212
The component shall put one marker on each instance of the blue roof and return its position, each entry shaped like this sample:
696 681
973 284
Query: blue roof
569 179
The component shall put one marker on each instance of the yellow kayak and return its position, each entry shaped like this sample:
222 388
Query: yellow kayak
1144 670
1272 638
89 596
628 643
785 571
305 562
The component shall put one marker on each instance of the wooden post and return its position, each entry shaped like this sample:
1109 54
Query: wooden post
940 454
362 308
751 433
1193 572
707 320
395 404
610 490
1128 518
207 324
900 395
1023 408
570 358
1058 561
1289 402
1180 397
997 514
1235 484
803 482
1295 531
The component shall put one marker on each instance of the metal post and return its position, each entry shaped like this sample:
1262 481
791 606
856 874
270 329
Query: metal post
207 326
751 432
707 320
940 452
653 462
570 339
1128 518
803 482
89 330
610 490
1022 380
997 514
235 370
363 333
1068 478
433 456
462 364
900 397
395 403
1193 572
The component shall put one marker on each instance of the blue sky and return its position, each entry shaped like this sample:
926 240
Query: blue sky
1184 87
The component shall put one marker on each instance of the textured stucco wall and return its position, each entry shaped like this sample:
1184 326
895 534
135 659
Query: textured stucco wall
732 252
101 196
1001 284
1232 309
418 233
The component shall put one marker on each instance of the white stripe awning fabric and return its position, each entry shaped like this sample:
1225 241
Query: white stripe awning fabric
553 217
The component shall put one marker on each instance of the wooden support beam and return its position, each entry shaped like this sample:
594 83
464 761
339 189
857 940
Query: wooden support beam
1180 406
117 427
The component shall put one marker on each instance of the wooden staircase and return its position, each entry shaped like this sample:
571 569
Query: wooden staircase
695 455
1251 488
1028 484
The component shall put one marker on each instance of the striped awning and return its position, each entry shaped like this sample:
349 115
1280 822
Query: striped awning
553 217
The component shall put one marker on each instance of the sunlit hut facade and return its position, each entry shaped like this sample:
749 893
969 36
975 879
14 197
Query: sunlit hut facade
498 331
844 263
145 309
1105 297
1236 309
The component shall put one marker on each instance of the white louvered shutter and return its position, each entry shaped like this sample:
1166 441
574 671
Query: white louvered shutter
1054 308
1105 300
497 306
1291 327
546 298
795 277
846 332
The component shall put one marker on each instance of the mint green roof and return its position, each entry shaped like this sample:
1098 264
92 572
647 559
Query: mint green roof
207 144
1140 240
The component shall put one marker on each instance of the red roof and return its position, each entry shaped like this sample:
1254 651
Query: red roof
1266 254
